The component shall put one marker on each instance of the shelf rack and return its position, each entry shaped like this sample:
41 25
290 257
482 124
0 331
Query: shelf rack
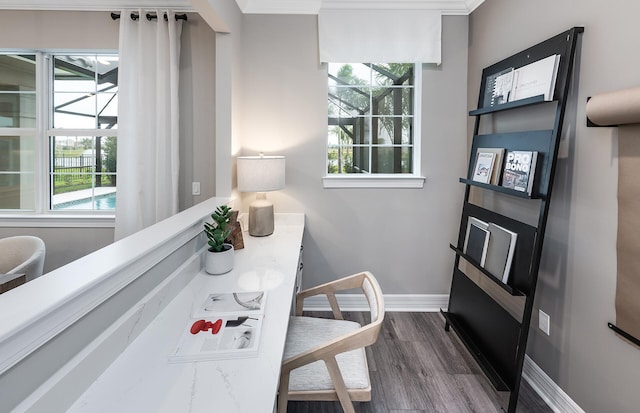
496 339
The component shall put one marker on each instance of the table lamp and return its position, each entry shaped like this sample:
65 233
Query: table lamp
260 174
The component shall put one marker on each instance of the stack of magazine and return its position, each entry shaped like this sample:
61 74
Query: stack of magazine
490 246
533 79
224 326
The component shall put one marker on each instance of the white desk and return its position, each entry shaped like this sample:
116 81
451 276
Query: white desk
142 380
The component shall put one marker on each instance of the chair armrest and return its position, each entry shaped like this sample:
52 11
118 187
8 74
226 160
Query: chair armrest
329 289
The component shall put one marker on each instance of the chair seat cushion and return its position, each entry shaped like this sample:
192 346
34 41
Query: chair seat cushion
305 333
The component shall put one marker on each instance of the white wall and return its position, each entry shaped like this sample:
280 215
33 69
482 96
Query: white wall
599 371
401 235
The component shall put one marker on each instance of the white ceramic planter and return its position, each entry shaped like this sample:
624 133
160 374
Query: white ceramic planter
219 262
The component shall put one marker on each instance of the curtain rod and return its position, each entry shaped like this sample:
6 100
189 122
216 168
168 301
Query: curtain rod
149 16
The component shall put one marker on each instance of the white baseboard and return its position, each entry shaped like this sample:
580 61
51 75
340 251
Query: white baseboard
392 302
542 384
547 389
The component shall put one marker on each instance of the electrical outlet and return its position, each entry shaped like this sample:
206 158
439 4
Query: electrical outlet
195 188
544 322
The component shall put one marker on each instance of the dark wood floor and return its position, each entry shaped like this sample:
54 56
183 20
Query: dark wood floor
417 367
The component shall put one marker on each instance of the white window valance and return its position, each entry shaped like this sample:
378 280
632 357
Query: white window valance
389 36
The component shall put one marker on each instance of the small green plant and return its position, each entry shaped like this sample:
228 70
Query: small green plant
219 232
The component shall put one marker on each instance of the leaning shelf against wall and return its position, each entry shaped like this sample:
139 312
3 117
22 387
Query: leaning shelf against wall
497 256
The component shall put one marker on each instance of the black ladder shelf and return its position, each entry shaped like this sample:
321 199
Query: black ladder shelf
494 335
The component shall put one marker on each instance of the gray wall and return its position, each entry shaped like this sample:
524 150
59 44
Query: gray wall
577 282
64 245
197 89
347 229
57 30
96 30
401 235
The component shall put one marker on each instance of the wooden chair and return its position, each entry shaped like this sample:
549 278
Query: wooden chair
324 359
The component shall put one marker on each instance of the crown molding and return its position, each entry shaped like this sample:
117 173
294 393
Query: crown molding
448 7
473 4
95 5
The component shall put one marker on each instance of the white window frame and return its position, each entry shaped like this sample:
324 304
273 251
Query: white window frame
399 180
42 216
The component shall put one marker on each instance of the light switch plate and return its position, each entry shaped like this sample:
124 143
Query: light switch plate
195 188
544 321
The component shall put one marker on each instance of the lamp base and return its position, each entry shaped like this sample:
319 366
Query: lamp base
261 217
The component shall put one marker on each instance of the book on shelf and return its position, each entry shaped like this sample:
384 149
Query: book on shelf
495 85
476 240
537 78
520 170
496 171
224 326
503 87
484 167
502 244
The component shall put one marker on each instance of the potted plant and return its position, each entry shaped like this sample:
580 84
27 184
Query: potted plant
219 257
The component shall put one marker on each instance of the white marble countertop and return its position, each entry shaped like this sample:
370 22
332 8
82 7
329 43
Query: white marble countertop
61 297
142 379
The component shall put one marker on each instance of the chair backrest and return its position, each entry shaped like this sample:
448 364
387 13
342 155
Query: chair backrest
22 254
373 292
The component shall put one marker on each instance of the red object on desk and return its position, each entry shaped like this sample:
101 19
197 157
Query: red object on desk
203 325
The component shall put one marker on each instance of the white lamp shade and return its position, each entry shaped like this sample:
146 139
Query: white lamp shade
260 173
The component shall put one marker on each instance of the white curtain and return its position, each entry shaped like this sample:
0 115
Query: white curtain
379 36
148 161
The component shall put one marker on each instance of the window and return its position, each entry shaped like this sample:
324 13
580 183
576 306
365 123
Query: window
372 121
82 173
17 131
58 128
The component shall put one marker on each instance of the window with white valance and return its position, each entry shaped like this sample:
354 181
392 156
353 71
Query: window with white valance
392 36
